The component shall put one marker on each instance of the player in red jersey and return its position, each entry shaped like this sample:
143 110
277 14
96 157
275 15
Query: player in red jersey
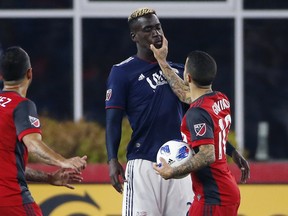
20 133
205 128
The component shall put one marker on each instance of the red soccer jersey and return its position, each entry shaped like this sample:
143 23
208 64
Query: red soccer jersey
208 121
18 117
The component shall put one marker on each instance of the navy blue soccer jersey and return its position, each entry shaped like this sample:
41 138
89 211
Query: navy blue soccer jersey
154 111
18 117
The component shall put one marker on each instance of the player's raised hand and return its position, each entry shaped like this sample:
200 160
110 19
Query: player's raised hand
65 177
163 169
115 172
76 163
161 53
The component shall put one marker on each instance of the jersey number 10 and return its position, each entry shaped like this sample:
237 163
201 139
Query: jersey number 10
224 124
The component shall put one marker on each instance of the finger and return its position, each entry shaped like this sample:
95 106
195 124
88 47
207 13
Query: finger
77 168
116 184
70 186
118 187
247 174
163 161
165 41
156 168
123 175
152 47
71 172
243 175
76 178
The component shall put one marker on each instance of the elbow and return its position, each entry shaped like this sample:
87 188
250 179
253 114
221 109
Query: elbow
31 147
210 157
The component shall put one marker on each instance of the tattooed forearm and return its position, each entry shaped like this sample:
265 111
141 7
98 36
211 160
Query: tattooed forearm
176 83
35 175
203 158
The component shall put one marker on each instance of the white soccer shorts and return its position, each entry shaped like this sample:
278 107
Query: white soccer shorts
148 194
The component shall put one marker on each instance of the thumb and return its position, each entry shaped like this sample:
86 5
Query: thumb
152 47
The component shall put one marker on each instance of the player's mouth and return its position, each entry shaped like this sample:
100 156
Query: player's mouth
157 43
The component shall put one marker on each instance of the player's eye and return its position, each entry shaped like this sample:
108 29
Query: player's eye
147 29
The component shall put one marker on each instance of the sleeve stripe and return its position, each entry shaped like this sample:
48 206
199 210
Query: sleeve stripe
114 107
203 142
28 131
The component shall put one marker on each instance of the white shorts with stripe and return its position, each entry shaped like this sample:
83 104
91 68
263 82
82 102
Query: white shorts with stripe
148 194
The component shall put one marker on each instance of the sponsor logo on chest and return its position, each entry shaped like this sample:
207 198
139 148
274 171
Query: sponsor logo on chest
155 80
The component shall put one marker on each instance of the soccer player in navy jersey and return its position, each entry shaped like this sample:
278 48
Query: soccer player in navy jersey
20 134
137 87
205 128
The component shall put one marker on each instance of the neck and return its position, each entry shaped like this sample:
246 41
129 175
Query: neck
20 88
197 92
146 55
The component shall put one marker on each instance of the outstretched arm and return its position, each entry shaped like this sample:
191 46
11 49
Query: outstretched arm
43 153
61 177
177 84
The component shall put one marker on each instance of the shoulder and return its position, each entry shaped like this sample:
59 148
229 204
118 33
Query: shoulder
176 65
221 94
124 64
194 112
179 68
26 104
198 115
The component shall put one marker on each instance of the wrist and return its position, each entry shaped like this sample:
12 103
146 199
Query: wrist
50 178
163 63
230 149
112 160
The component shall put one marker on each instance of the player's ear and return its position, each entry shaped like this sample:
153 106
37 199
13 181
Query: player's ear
132 34
189 78
29 73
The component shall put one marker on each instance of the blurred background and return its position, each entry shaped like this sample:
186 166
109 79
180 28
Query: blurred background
74 43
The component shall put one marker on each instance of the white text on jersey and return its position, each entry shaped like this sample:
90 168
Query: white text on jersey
4 101
220 105
157 80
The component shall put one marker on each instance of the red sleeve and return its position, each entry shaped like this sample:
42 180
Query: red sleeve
28 131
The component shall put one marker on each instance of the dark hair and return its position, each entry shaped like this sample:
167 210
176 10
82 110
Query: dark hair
140 12
14 63
202 67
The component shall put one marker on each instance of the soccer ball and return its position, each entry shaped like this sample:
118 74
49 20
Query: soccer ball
175 153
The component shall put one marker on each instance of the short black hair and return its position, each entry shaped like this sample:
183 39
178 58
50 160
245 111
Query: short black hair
202 67
14 63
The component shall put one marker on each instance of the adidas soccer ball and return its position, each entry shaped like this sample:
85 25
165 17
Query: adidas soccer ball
175 153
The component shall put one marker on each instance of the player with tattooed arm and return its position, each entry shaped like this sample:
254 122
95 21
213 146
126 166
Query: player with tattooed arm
137 87
205 128
20 134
